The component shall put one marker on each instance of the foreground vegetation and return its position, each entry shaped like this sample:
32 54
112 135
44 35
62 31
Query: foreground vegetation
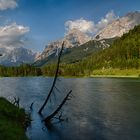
12 121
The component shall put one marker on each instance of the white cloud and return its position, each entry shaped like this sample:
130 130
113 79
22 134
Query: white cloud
8 4
90 26
80 24
12 35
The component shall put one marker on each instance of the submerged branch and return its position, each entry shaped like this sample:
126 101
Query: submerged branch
48 119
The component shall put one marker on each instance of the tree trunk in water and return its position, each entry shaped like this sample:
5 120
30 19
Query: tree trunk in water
53 85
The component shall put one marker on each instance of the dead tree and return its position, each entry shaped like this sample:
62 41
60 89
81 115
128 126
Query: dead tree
48 119
54 81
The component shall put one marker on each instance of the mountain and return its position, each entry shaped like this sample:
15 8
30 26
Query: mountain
76 54
120 26
12 56
74 38
123 54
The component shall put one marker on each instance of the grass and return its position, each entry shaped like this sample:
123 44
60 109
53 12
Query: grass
12 121
116 73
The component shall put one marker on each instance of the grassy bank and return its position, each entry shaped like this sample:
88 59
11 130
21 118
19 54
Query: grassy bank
12 121
116 73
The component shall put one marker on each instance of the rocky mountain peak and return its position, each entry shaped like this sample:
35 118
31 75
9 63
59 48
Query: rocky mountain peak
73 38
120 26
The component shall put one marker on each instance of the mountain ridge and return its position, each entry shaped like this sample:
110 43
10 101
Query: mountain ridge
113 30
75 54
74 38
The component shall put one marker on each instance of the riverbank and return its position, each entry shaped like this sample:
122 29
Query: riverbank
12 121
118 73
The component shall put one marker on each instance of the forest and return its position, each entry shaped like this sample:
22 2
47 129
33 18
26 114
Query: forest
22 70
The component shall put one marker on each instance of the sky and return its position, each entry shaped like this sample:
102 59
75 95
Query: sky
35 23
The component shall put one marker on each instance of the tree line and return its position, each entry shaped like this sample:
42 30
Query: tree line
22 70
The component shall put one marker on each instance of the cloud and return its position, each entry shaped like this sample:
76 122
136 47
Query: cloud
8 4
90 26
13 35
80 24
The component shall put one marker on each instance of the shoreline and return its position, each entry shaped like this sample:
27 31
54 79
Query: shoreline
99 73
79 76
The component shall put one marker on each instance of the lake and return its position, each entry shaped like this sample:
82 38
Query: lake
100 109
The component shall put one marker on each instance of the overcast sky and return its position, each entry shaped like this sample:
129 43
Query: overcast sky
34 23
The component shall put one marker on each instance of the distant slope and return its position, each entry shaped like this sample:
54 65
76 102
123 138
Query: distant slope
76 54
124 52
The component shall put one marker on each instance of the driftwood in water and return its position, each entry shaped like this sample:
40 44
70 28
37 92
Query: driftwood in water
54 81
48 119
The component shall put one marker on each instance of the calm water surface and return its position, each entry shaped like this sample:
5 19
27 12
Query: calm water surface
101 109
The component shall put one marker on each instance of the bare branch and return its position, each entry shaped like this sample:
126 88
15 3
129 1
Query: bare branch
48 119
